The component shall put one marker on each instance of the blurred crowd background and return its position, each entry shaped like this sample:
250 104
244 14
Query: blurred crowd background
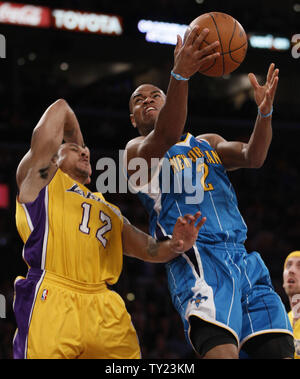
96 74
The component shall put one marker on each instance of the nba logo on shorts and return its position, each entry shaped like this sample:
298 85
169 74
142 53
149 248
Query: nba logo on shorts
44 294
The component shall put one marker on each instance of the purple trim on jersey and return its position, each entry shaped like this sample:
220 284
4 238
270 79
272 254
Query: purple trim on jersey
25 293
34 245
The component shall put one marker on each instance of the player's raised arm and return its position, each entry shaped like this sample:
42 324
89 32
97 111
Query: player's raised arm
161 118
236 154
37 167
140 245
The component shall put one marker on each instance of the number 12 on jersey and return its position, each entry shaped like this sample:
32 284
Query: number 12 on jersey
84 225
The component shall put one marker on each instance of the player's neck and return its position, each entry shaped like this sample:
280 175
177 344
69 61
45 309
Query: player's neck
145 130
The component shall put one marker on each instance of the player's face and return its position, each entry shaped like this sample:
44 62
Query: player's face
145 105
291 276
74 160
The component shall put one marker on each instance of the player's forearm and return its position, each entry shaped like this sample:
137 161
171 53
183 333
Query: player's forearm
72 132
58 123
172 117
154 251
160 252
140 245
259 143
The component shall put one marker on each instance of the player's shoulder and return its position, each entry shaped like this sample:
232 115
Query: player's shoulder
132 147
212 138
134 141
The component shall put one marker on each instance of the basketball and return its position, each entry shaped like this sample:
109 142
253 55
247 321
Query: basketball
233 42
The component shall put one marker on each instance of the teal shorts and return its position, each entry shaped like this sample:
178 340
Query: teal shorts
226 286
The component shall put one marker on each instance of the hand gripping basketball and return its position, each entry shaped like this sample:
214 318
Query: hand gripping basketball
190 54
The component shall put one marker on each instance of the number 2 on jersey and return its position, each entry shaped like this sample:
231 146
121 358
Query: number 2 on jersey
84 225
204 168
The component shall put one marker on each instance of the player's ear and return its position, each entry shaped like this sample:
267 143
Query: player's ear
58 158
132 120
54 159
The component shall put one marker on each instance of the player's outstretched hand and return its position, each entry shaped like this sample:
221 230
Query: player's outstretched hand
264 95
185 232
189 57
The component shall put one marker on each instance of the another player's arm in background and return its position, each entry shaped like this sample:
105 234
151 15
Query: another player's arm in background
37 167
170 123
140 245
235 154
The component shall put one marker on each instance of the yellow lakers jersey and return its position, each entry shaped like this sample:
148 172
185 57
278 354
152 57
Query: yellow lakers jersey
296 332
72 232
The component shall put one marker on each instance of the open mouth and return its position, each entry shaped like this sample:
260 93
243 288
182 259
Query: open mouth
150 109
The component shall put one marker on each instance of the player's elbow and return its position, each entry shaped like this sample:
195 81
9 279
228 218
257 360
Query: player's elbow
60 105
61 109
255 163
255 160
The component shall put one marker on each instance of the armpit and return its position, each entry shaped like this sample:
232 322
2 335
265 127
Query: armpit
44 172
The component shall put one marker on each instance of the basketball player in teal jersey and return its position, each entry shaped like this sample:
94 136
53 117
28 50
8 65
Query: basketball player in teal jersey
223 294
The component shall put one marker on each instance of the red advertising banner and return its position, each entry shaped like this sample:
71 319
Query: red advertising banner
4 195
25 14
73 20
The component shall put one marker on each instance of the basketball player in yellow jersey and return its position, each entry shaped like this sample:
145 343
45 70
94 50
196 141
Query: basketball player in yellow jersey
291 285
73 245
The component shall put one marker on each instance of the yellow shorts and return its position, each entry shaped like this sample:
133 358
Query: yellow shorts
68 319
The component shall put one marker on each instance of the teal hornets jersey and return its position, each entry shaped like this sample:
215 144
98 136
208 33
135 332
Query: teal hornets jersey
189 178
216 280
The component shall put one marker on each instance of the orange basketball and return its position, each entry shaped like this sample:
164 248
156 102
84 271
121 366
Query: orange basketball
233 42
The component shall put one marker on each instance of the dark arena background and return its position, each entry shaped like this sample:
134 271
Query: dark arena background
56 52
